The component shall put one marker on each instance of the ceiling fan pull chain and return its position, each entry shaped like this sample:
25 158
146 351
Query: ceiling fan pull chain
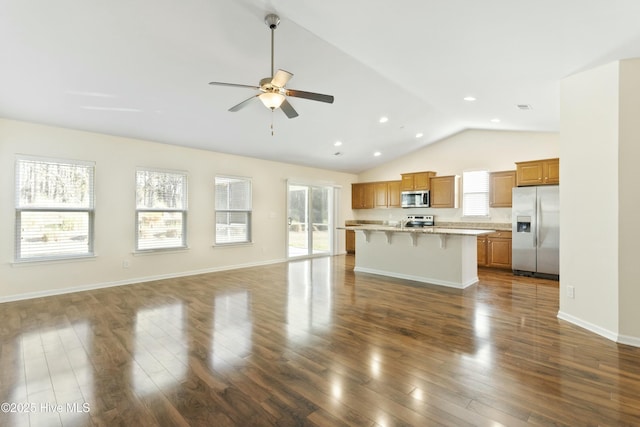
272 111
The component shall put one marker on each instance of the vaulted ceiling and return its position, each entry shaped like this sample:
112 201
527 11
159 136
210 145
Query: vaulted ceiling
141 69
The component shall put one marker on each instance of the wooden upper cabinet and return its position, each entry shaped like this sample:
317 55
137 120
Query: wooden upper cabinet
368 195
416 181
553 171
393 190
444 191
538 172
362 196
356 196
500 188
381 194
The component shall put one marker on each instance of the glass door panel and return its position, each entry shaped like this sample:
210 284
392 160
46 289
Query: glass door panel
298 218
320 220
309 219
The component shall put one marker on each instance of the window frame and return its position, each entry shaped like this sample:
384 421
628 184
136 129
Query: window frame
19 210
486 193
143 210
249 212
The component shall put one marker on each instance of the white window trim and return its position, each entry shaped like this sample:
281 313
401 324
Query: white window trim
18 259
249 211
184 211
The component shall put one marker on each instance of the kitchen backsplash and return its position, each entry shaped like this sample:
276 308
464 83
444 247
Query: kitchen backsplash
496 215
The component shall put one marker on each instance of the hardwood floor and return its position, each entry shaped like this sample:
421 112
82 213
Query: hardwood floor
310 343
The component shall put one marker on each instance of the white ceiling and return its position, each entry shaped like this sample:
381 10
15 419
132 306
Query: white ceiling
140 68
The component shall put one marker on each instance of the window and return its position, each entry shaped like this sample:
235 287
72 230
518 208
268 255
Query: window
233 210
161 209
475 193
54 209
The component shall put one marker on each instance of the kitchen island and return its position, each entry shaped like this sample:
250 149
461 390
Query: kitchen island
436 255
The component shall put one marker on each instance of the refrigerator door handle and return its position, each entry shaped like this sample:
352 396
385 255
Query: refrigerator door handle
538 221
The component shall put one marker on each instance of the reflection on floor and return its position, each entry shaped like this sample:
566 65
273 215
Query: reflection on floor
310 343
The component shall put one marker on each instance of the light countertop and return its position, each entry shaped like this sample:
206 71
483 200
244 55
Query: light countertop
422 230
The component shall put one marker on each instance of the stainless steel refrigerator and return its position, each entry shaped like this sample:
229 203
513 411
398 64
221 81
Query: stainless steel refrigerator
536 231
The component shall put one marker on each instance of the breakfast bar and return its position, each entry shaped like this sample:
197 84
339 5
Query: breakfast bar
435 255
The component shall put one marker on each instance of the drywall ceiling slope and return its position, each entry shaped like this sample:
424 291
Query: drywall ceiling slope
141 69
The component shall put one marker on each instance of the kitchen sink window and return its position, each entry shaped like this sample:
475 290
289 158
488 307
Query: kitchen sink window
475 193
161 209
233 210
54 209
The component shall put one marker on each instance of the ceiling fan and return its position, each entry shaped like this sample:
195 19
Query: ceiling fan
273 93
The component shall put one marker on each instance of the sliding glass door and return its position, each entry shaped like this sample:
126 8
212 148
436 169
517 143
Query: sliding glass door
309 220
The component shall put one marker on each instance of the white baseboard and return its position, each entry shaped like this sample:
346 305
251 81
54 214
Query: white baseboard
613 336
416 278
629 340
133 281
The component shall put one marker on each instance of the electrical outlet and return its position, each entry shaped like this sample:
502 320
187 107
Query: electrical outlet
126 263
571 292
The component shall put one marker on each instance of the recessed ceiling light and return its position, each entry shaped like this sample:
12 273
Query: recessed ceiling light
337 143
419 135
469 98
384 119
495 120
377 153
524 107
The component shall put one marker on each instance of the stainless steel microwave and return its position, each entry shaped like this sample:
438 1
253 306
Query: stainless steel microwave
415 199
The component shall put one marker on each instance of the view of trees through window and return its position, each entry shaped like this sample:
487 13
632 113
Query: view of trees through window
308 219
54 209
233 210
161 201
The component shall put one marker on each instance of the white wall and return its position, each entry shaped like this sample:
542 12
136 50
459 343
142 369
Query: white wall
468 150
589 198
629 199
116 160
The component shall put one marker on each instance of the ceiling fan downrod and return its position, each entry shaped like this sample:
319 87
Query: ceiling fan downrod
272 20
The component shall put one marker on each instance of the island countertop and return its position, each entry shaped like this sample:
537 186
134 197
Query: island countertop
421 230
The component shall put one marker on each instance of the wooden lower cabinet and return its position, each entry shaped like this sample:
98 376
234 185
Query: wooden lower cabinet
350 241
494 250
482 251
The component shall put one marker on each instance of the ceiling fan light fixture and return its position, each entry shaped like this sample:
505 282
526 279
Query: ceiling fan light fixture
271 100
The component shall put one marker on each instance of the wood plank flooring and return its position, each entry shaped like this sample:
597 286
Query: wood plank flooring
310 343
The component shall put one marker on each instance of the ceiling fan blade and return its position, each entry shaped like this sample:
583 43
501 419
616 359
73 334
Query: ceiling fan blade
243 104
288 109
233 85
281 78
310 95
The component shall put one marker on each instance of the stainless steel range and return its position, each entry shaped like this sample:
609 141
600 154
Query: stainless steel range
417 221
